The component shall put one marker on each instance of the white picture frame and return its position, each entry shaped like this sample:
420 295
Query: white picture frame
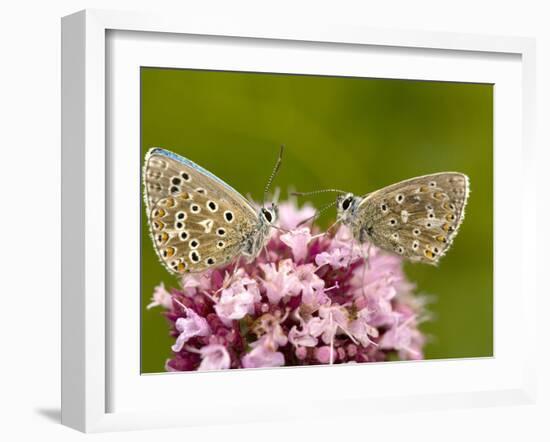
89 169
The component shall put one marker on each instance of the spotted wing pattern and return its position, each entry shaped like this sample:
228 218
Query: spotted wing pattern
196 220
416 218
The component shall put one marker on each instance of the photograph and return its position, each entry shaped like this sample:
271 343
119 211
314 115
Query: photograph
302 220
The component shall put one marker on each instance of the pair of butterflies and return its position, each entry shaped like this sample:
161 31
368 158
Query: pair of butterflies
199 222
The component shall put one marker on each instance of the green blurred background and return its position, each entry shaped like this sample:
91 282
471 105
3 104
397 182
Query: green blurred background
357 134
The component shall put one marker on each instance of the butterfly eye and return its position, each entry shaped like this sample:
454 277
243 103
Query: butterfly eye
346 203
267 215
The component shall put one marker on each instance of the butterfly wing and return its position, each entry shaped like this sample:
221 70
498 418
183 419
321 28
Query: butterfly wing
196 220
416 218
166 173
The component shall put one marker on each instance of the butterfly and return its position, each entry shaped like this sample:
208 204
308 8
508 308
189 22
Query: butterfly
196 220
416 218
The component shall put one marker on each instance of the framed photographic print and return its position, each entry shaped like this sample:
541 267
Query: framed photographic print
256 209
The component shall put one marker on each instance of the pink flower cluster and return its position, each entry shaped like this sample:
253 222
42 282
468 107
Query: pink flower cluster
308 299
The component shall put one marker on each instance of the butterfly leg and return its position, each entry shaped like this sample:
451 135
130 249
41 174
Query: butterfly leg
365 254
266 253
229 278
351 252
364 257
235 269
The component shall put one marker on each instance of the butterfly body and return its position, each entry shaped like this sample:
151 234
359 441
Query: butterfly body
416 218
196 220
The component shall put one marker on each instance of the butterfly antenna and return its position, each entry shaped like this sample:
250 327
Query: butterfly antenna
315 192
317 214
274 172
